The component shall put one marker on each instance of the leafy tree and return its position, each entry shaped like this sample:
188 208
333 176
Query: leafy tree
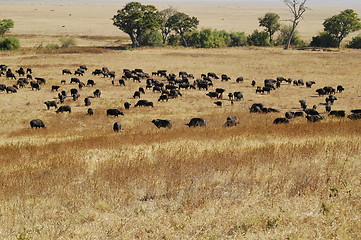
258 38
355 42
342 24
151 38
238 39
297 8
135 19
166 27
182 23
285 32
271 22
9 43
324 39
5 25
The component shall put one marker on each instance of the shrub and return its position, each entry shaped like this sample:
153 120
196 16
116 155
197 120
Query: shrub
67 42
151 38
174 40
283 37
355 42
193 38
324 39
258 39
52 46
238 39
9 43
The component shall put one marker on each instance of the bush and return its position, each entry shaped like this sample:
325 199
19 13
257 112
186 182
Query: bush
324 39
67 42
258 39
283 37
174 40
193 38
9 43
238 39
151 38
355 42
52 46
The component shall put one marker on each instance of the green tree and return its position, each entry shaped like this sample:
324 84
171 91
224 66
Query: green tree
285 32
258 39
9 43
5 25
355 42
324 39
182 23
166 26
271 22
238 39
342 24
135 19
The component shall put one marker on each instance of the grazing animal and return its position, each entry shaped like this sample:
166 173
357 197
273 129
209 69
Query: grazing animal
239 79
354 116
196 122
321 92
40 80
51 104
328 107
289 115
54 88
10 89
253 83
66 71
238 96
303 104
141 90
64 108
37 123
163 97
231 121
310 83
90 82
356 111
212 94
339 113
121 82
87 101
74 80
35 85
340 89
90 111
281 121
127 105
114 112
117 127
218 103
314 118
97 93
145 103
160 123
2 87
136 94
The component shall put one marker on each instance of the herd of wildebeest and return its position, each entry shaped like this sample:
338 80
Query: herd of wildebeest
169 86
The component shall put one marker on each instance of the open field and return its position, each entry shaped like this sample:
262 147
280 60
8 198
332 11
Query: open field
77 179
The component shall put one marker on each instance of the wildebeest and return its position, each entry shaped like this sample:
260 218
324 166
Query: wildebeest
303 104
117 127
66 71
354 116
321 92
239 79
127 105
289 115
35 85
340 89
121 82
220 92
10 89
310 83
20 71
141 90
74 80
314 118
196 122
114 112
55 88
73 91
64 108
79 72
163 97
311 111
330 99
37 123
281 120
87 101
253 83
238 96
339 113
2 87
83 67
90 82
213 75
224 77
231 121
10 75
40 80
90 111
356 111
328 107
97 93
218 103
136 94
51 104
160 123
145 103
212 94
329 90
256 108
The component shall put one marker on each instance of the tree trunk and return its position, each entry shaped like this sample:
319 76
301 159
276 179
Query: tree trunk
288 43
184 40
135 42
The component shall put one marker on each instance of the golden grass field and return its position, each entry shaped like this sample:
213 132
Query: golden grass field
77 179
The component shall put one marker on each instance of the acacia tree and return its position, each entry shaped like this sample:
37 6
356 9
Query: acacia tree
340 25
182 23
297 8
135 19
5 25
271 22
166 26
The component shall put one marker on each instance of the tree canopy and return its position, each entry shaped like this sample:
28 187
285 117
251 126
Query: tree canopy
342 24
5 25
182 23
135 19
271 22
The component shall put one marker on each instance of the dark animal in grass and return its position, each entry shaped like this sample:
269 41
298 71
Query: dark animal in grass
117 127
144 103
66 71
356 111
87 101
90 111
75 96
97 93
121 82
238 96
311 111
321 92
314 118
10 89
339 113
2 87
163 97
136 94
220 92
239 79
256 108
212 94
40 80
354 116
218 103
81 85
330 99
35 85
141 90
174 93
21 71
79 72
231 121
340 89
328 107
230 96
83 67
303 104
29 71
196 122
64 108
253 83
28 76
74 80
281 121
54 88
50 104
329 90
114 112
10 75
37 123
73 91
90 82
160 123
127 105
61 97
62 82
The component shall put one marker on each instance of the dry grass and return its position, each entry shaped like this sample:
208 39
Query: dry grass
77 179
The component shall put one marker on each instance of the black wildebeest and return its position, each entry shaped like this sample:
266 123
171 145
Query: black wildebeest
303 104
2 87
64 108
163 97
74 80
79 72
87 101
256 108
354 116
54 88
121 82
127 105
97 93
160 123
90 82
117 127
238 96
35 85
280 120
321 92
20 71
196 122
314 118
10 89
340 89
339 113
90 111
144 103
114 112
330 99
328 107
218 103
212 94
136 94
51 104
310 83
66 71
289 115
40 80
231 121
37 123
239 79
253 83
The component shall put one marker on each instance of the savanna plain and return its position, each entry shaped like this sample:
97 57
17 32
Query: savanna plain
77 179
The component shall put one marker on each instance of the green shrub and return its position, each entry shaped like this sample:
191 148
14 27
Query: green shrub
193 38
355 42
174 40
52 46
258 39
324 39
238 39
9 43
67 42
283 37
151 38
